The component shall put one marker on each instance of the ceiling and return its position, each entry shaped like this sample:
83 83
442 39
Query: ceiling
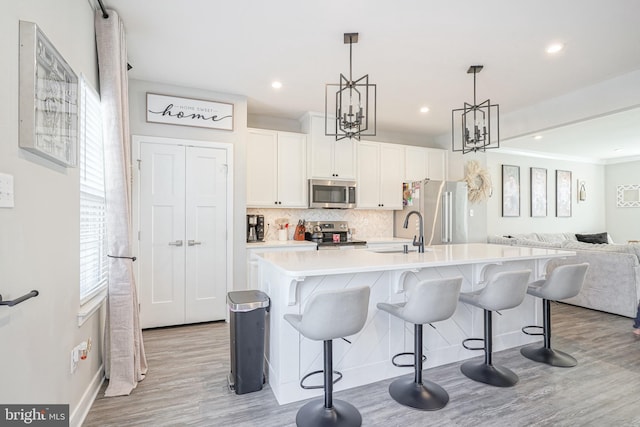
416 51
608 138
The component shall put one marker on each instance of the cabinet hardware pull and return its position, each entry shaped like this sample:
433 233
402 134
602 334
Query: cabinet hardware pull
176 243
193 243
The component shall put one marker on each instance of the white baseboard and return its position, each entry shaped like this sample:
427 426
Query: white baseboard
84 405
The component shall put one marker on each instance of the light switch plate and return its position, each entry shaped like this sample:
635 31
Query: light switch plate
6 190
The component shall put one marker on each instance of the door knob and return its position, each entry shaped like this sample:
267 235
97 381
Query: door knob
176 243
193 243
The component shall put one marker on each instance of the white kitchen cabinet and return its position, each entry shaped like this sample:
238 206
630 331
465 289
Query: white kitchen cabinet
328 158
380 175
276 169
422 162
437 164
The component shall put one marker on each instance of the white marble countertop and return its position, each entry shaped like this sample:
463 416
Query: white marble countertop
318 263
280 244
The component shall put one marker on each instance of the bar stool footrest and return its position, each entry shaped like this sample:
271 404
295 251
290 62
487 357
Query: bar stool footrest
312 387
524 330
464 344
401 365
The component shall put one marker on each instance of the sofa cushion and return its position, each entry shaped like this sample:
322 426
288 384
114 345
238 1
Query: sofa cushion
601 247
528 236
501 240
593 238
537 244
552 237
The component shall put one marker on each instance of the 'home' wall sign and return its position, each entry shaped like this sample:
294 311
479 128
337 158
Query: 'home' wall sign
189 112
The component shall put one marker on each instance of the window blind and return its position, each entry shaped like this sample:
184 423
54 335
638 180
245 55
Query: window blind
93 221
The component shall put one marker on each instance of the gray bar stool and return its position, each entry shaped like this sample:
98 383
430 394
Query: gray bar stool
329 315
503 290
564 282
428 301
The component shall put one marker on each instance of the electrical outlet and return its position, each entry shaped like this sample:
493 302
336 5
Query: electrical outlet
79 352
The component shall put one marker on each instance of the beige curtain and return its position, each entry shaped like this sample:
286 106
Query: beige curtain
125 362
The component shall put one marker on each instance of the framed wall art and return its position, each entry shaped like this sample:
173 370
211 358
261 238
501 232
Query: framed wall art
538 192
174 110
48 99
563 193
510 190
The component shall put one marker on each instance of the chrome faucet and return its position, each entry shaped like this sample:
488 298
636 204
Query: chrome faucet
419 242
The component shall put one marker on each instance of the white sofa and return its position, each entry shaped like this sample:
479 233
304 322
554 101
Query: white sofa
612 283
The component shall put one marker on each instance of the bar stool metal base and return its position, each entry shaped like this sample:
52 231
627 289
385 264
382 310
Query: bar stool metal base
549 356
498 376
427 396
314 414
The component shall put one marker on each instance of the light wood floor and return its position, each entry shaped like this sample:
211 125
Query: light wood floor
188 366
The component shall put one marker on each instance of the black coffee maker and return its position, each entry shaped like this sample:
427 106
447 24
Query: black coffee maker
255 228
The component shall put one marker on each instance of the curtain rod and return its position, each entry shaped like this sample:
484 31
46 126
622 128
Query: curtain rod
105 15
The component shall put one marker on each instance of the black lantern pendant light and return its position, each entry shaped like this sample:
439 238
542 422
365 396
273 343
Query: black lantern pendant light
355 103
476 127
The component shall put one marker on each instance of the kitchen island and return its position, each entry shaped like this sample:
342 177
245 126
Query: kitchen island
290 278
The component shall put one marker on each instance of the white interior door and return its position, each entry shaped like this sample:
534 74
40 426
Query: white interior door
206 234
183 256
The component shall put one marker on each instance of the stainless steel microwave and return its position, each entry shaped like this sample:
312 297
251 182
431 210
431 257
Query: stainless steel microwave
332 194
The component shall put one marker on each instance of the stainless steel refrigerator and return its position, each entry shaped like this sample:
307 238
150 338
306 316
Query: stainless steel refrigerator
443 205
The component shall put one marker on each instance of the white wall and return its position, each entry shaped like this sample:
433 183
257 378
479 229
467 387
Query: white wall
39 237
622 223
237 137
586 217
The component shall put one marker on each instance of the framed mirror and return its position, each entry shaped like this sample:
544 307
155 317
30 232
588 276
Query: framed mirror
628 196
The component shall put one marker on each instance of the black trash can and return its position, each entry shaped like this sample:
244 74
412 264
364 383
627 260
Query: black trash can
247 313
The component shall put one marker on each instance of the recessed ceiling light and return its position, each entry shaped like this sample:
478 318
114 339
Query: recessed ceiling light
537 137
424 109
276 85
617 150
555 48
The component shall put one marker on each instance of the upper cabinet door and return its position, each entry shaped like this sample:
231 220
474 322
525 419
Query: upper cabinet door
321 157
416 163
422 162
276 169
437 166
391 175
344 164
262 168
328 158
368 182
292 170
380 175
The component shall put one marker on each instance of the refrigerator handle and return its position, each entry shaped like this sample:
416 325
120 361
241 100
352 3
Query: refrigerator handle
446 217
